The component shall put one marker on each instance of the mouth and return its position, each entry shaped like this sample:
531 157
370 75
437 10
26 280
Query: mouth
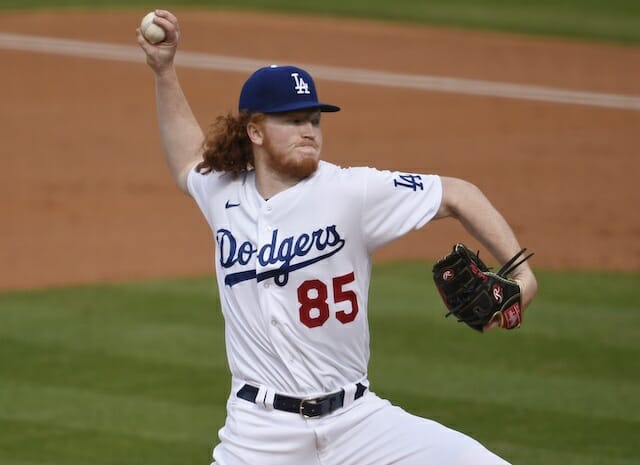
308 144
311 149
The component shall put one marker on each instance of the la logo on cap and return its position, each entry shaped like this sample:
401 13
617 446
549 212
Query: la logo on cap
301 86
280 89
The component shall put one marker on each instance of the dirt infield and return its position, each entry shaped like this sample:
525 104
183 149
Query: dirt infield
86 197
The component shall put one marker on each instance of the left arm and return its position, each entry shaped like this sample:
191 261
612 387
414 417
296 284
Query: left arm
466 203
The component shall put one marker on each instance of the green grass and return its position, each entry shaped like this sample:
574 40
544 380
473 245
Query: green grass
611 20
136 373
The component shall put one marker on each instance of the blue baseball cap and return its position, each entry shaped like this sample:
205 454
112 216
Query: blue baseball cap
277 89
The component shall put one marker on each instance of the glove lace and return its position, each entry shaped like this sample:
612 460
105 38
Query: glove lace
511 265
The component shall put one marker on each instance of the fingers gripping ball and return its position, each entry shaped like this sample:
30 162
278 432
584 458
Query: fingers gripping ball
150 30
474 294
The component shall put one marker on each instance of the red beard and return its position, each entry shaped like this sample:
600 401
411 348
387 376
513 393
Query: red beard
294 167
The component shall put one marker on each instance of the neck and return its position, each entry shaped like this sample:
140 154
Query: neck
270 183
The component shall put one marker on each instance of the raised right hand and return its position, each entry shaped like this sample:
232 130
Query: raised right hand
160 56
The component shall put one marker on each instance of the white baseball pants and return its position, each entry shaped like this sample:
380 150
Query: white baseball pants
369 431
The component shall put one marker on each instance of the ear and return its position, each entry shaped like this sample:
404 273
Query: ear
255 133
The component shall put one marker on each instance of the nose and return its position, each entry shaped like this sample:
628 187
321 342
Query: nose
307 131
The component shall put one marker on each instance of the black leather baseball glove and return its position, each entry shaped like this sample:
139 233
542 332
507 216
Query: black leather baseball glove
474 294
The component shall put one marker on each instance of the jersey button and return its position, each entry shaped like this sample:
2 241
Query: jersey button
274 322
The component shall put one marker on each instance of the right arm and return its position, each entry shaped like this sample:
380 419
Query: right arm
180 132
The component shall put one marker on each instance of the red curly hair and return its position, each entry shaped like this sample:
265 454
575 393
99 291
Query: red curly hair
226 146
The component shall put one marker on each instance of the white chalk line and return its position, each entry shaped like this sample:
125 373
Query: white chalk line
106 51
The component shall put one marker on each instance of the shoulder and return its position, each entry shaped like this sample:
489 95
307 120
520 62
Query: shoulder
343 174
338 181
365 178
208 184
369 174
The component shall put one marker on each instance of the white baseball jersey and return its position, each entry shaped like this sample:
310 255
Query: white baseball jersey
293 271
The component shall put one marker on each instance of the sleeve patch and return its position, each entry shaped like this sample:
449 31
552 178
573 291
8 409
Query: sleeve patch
409 181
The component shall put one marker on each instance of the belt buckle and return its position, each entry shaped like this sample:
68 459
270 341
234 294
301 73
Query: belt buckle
314 401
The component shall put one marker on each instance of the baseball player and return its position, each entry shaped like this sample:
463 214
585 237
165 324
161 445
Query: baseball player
293 238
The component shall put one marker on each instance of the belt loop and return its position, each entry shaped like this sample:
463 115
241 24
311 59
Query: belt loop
349 395
269 397
261 395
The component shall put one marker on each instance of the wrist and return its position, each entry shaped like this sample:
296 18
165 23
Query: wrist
528 288
165 72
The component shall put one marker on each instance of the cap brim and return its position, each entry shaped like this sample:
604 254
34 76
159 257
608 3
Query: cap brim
329 108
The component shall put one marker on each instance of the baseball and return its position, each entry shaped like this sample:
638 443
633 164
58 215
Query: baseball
151 31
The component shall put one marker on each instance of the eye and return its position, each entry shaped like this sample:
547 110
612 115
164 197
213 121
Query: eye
295 120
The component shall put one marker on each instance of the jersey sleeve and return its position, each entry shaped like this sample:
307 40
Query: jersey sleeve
200 187
396 203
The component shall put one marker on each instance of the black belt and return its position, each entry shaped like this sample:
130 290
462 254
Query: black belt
305 407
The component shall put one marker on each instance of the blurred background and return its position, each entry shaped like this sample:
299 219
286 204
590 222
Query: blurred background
111 339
